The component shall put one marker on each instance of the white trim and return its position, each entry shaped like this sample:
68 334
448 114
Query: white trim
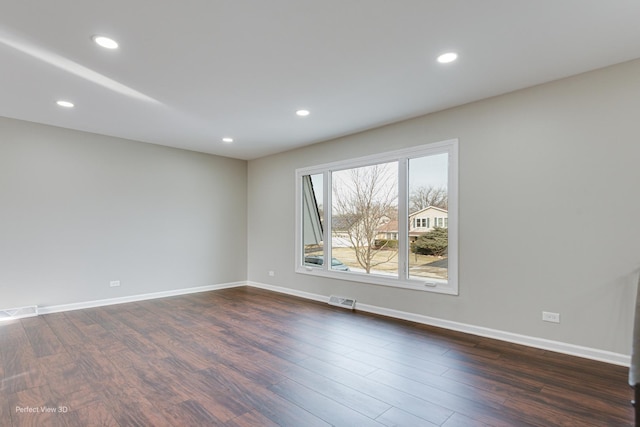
431 148
402 279
541 343
133 298
556 346
289 291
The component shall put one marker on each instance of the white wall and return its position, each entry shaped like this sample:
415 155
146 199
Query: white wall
78 210
538 168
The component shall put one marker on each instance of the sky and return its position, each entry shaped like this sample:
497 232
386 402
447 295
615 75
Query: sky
431 170
423 171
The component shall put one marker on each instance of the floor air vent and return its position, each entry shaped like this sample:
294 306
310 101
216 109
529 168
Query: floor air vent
18 313
343 302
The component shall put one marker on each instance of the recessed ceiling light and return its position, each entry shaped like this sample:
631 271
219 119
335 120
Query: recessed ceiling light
105 42
227 140
445 58
303 113
65 104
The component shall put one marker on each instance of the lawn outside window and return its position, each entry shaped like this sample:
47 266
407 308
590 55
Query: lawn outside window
387 219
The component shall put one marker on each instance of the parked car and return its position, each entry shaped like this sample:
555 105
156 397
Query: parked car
316 260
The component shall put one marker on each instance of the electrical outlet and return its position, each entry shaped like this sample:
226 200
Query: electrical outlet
551 317
272 273
114 283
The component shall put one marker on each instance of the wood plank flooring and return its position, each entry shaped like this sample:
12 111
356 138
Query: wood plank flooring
246 357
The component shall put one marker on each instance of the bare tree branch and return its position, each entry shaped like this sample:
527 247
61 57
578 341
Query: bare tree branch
425 196
362 198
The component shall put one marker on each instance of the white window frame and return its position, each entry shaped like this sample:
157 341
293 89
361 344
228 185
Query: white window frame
449 286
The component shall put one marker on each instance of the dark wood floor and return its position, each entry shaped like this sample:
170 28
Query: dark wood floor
247 357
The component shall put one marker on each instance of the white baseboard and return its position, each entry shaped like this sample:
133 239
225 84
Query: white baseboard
289 291
556 346
559 347
133 298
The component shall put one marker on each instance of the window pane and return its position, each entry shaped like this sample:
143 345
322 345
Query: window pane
312 217
428 205
364 219
361 219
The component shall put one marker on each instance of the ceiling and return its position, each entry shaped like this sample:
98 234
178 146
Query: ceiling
190 72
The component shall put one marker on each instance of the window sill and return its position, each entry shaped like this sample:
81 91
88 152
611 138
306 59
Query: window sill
428 285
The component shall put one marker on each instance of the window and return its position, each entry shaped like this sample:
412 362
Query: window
357 214
312 218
